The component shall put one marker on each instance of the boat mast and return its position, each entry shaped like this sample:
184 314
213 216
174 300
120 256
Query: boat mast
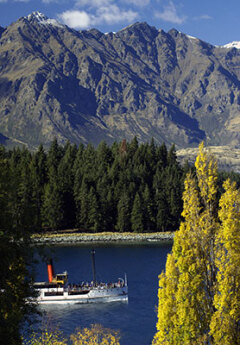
126 283
93 267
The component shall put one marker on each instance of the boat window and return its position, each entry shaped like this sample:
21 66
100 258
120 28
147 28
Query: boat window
53 293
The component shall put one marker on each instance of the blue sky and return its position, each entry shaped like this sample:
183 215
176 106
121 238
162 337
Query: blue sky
214 21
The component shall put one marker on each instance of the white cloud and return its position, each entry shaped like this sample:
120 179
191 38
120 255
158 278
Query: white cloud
93 3
53 1
76 19
113 14
169 14
138 3
102 3
100 12
204 16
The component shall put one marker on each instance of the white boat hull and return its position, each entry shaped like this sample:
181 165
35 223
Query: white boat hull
94 295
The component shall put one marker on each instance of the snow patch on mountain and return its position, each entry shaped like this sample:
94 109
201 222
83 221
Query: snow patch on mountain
192 37
42 19
234 44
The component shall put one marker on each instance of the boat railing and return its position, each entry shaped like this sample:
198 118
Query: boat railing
89 286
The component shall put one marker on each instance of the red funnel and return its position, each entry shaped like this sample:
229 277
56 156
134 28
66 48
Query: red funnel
50 271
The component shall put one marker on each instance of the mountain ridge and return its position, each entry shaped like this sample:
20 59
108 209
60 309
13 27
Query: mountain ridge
87 86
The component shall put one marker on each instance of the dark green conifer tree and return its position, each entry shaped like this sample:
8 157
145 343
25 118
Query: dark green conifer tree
162 211
137 215
148 210
38 175
94 214
52 208
15 277
123 215
132 148
25 192
78 176
82 206
65 184
162 156
163 215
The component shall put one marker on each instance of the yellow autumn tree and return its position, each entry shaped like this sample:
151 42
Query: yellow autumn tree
96 335
191 288
225 323
184 314
167 304
46 337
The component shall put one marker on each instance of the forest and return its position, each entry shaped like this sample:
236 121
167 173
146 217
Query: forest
125 187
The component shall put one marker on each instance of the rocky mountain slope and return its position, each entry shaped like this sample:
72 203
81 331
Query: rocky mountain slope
89 86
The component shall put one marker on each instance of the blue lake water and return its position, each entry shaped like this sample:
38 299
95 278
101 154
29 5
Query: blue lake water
136 320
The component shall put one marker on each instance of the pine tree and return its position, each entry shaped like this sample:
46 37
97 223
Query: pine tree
162 209
52 213
82 205
78 177
54 155
137 215
105 201
94 215
132 147
161 156
52 207
173 174
65 184
171 156
15 277
123 216
148 210
4 188
162 215
89 163
38 175
25 192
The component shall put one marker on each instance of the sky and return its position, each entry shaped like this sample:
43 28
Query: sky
214 21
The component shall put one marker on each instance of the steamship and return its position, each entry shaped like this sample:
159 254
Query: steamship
59 291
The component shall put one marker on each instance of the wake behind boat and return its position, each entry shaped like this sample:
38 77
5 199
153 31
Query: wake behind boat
59 291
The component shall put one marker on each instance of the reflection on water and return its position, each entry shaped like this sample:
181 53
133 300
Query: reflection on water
136 319
76 315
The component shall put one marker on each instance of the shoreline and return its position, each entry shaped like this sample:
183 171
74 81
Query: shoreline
102 237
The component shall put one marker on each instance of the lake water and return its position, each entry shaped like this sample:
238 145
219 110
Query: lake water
136 320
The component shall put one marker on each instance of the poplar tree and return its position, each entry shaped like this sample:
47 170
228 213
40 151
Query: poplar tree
225 323
199 292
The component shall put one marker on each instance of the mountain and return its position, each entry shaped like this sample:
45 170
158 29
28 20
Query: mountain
234 44
86 86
